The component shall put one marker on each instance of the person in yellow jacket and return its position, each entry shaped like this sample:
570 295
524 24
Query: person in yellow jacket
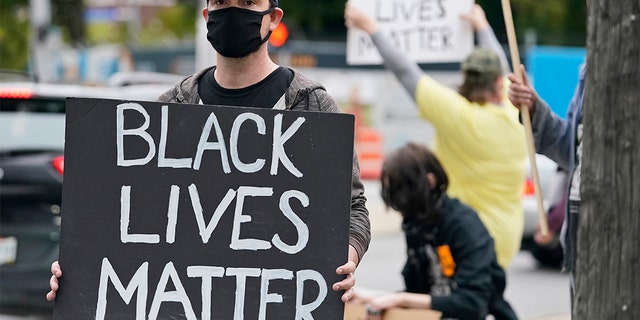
478 138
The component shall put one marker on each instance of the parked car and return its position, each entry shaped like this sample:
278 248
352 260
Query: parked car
32 120
549 255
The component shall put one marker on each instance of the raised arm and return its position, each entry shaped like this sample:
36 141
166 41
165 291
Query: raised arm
485 35
407 71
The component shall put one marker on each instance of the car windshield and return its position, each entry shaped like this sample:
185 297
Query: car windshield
32 124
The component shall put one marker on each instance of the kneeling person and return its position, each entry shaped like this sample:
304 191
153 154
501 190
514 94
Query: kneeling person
451 262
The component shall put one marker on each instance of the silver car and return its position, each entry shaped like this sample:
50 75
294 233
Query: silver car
32 120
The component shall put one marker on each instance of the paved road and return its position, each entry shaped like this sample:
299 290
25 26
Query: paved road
535 293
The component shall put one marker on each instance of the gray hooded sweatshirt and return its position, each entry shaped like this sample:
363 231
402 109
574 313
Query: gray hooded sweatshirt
302 94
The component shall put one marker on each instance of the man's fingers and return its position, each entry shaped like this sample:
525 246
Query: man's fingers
345 284
347 295
346 268
51 295
514 80
55 269
53 283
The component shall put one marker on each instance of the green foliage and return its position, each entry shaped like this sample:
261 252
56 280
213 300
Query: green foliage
168 24
547 20
69 16
315 19
101 33
180 19
11 4
14 35
556 22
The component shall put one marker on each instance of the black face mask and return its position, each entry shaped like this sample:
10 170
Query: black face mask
235 32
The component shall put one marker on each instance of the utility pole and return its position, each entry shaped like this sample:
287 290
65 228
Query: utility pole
40 26
608 260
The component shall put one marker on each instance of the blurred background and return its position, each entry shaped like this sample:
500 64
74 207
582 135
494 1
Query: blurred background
88 40
101 42
136 49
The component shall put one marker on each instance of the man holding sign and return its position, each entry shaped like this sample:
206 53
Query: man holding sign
479 139
246 76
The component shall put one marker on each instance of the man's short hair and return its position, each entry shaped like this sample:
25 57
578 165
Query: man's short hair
274 3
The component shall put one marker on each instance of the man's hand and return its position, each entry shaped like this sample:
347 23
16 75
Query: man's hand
521 93
56 273
543 240
347 269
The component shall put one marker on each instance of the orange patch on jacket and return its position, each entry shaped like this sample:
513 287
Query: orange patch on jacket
447 263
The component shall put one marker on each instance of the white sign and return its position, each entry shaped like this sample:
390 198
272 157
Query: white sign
428 31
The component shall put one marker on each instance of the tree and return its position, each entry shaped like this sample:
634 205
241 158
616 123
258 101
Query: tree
558 22
14 32
607 277
70 15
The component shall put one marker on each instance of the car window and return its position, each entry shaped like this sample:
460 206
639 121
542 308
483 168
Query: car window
32 115
32 124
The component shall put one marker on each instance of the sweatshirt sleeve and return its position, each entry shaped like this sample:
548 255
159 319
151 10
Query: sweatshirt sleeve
551 134
554 136
407 72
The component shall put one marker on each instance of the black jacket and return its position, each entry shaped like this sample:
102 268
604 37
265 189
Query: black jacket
477 284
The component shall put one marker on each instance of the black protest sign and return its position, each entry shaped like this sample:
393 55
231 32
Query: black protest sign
200 212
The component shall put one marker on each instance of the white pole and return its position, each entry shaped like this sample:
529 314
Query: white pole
40 25
205 55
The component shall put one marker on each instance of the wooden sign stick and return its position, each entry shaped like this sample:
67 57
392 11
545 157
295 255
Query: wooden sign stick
524 112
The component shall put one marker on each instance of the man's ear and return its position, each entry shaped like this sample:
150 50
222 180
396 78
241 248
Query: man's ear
205 14
276 17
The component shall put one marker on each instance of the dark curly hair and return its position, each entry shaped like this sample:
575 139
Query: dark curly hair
404 183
